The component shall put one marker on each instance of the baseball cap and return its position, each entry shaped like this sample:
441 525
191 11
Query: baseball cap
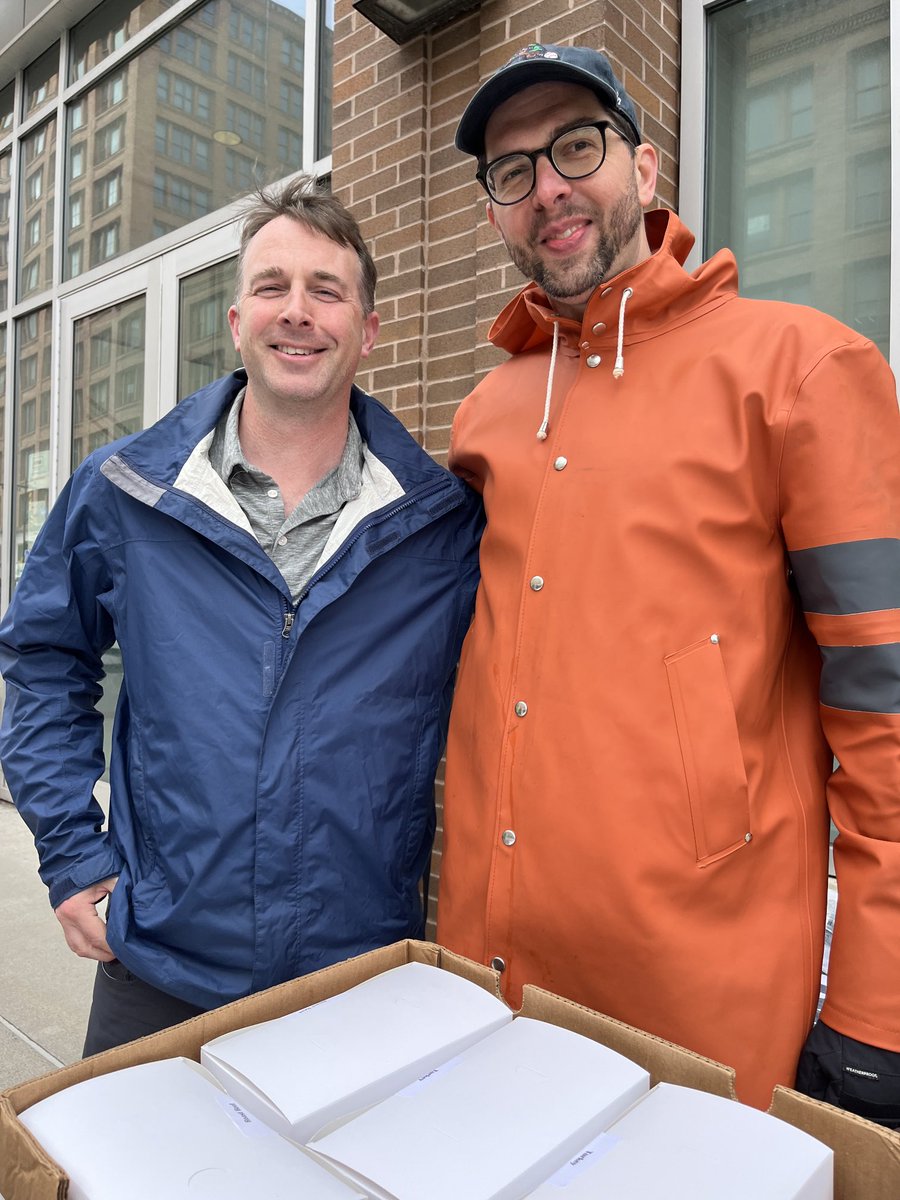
543 64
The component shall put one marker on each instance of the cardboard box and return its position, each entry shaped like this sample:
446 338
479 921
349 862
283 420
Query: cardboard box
521 1102
688 1145
867 1157
303 1071
167 1128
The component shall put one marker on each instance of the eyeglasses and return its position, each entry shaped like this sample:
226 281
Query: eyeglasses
574 154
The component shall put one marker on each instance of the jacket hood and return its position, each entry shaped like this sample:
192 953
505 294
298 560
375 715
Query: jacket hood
663 293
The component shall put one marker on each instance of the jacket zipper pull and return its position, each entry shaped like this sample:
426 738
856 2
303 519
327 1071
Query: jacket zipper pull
288 623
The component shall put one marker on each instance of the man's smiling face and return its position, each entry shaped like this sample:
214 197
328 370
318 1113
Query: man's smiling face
570 235
299 326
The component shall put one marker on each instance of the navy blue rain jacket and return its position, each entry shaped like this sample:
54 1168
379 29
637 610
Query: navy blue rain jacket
272 764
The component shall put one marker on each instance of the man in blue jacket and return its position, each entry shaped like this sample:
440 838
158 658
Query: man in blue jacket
289 577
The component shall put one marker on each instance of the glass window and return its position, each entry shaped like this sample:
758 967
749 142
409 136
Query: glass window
76 210
31 433
247 76
798 163
186 123
109 140
109 93
205 348
870 83
5 184
105 29
248 30
107 191
41 80
290 99
104 243
4 551
108 369
7 107
77 161
240 171
38 153
290 146
326 74
248 125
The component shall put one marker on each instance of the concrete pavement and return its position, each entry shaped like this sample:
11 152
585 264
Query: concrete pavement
45 989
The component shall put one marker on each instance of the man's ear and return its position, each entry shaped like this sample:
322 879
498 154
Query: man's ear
371 323
234 321
489 213
646 169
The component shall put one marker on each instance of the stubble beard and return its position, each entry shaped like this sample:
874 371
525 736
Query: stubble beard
563 281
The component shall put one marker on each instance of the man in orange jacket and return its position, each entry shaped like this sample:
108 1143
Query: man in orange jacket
690 601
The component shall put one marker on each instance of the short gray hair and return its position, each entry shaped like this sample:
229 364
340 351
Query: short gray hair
305 201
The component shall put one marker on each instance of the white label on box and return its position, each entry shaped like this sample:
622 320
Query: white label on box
583 1161
429 1077
247 1124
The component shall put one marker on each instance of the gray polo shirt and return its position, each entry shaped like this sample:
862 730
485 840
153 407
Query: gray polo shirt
294 543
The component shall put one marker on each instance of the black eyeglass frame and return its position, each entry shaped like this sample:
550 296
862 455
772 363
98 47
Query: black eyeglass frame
533 155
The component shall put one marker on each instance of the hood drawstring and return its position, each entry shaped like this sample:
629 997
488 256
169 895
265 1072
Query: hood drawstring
542 432
619 368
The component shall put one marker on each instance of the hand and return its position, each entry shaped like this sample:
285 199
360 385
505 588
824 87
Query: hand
84 928
861 1079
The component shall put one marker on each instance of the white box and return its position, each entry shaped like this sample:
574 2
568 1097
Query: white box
491 1123
303 1071
688 1145
165 1131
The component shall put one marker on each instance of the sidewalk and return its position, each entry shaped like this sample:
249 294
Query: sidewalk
45 989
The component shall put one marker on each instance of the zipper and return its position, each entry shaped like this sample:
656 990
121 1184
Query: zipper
288 623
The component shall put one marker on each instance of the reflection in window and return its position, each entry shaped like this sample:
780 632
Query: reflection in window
326 73
31 434
109 140
188 122
289 149
812 97
780 112
4 550
104 243
868 285
870 189
7 107
107 376
871 81
41 80
105 29
39 151
205 348
5 162
248 125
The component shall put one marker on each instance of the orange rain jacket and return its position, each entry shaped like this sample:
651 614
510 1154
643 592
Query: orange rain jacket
638 783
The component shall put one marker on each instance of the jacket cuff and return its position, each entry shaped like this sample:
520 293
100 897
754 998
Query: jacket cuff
84 873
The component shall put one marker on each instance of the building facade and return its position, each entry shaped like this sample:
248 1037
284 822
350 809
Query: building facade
130 130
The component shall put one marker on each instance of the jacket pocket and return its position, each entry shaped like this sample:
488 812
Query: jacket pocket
710 750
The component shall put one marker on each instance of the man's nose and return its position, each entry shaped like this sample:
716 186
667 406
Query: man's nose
296 310
549 186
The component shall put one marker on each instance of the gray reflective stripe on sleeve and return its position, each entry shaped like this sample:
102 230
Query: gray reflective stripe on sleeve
850 577
123 476
861 678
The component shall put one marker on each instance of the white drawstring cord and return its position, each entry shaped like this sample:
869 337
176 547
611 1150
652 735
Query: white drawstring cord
619 368
542 432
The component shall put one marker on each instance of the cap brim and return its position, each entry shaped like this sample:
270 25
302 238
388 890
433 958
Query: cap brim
497 89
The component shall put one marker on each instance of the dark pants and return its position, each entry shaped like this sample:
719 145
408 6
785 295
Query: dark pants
125 1008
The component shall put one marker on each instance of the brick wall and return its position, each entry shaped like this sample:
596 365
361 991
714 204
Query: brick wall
443 274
